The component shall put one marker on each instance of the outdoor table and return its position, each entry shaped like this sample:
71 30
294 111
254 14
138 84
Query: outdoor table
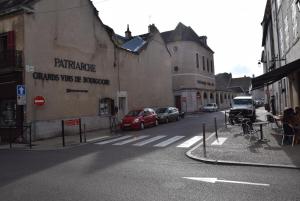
261 123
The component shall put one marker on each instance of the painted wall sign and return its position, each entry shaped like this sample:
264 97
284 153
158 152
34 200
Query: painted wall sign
71 64
69 78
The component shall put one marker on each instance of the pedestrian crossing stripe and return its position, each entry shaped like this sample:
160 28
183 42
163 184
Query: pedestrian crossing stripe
114 140
190 142
169 141
149 140
219 141
131 140
186 144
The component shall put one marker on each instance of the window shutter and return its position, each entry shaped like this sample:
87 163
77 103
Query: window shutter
11 40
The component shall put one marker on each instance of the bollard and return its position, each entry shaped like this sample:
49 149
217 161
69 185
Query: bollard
204 140
225 120
84 135
80 133
216 128
30 137
10 137
63 132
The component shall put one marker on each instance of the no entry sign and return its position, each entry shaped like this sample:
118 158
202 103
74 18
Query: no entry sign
39 100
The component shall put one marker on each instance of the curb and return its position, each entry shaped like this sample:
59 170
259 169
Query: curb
237 163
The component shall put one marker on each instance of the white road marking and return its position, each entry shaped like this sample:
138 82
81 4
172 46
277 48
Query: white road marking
97 138
114 140
219 141
190 142
131 140
149 140
214 180
169 141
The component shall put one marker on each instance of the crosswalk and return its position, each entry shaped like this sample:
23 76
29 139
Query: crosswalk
161 141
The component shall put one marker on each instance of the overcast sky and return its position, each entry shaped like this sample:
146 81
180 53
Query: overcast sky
232 27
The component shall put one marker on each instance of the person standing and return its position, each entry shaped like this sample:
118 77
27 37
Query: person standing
273 105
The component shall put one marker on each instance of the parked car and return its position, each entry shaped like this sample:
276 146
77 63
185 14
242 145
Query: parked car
210 107
139 119
167 114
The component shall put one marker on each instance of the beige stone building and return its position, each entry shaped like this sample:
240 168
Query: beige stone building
281 55
192 68
61 51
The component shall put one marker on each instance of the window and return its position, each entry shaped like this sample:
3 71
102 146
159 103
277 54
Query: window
207 65
294 19
203 62
175 68
212 66
281 41
286 30
106 106
197 60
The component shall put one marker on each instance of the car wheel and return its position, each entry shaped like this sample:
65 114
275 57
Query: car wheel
156 122
142 126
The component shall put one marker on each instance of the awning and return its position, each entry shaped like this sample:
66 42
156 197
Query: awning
275 75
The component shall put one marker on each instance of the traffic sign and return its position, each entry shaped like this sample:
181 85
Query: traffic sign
39 100
21 90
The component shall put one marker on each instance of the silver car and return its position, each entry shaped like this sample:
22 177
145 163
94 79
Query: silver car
210 107
167 114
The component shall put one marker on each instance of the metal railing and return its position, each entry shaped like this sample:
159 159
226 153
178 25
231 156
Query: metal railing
16 132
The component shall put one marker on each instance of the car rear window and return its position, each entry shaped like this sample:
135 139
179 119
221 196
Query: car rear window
162 110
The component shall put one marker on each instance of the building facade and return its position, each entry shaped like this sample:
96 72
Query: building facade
192 68
281 32
61 51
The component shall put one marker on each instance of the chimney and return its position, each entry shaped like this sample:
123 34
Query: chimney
204 39
152 28
128 32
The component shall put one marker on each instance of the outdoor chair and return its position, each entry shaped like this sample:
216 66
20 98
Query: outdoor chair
288 131
248 129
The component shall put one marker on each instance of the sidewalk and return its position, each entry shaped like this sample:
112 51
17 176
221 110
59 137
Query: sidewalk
70 141
239 150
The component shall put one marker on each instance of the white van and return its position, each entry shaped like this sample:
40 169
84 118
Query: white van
243 106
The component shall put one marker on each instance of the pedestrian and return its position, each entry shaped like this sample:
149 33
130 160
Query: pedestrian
273 105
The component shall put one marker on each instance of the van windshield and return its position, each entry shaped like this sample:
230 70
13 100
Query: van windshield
242 101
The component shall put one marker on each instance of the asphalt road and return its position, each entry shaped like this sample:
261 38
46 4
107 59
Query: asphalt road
138 173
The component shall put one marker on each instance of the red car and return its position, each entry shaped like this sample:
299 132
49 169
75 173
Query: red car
139 119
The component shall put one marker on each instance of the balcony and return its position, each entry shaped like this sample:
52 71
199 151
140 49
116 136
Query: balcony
10 60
